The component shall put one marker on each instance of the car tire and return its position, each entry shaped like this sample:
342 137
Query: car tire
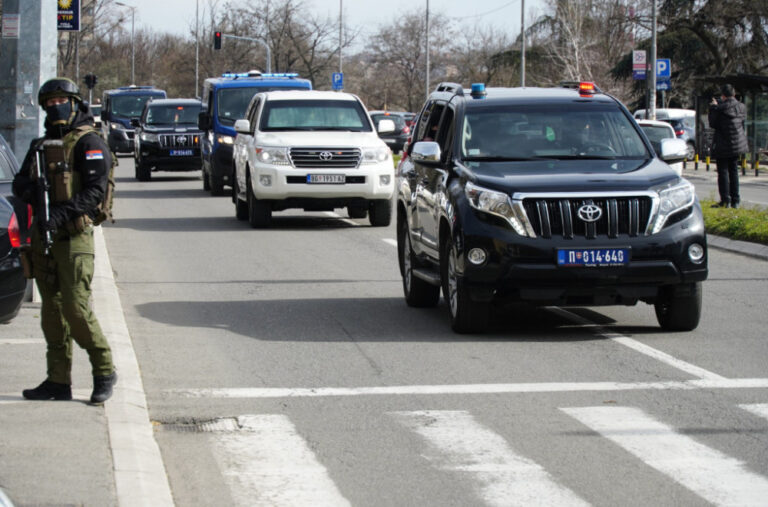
206 183
241 207
143 171
679 307
380 213
214 185
467 316
690 151
259 212
418 293
357 211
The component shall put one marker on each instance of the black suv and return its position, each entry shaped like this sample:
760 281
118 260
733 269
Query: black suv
167 137
550 196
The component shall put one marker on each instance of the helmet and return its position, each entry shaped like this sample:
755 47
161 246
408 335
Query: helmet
58 87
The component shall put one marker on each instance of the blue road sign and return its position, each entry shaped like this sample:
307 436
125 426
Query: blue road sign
663 68
337 81
638 74
663 84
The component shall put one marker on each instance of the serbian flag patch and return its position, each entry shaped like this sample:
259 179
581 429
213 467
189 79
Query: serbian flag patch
94 155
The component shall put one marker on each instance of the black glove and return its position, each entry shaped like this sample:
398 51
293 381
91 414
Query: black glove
57 217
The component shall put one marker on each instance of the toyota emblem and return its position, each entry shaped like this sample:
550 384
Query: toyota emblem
181 139
326 155
590 213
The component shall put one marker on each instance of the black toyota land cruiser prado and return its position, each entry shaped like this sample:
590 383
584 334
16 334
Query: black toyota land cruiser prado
550 196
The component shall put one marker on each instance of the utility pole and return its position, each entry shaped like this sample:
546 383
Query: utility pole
652 77
197 48
522 50
426 79
133 41
341 2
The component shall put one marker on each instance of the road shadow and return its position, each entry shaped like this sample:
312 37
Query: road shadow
224 223
356 320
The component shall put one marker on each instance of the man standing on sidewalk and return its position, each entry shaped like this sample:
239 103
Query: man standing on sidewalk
726 117
63 268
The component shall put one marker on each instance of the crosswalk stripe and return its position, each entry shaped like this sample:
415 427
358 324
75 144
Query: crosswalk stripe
267 463
716 477
759 409
503 477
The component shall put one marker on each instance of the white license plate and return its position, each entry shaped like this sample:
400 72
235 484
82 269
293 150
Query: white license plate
182 153
326 178
592 257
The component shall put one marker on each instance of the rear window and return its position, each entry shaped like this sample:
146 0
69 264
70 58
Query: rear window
399 121
344 115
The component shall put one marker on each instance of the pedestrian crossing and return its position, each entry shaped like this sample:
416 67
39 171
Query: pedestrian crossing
266 461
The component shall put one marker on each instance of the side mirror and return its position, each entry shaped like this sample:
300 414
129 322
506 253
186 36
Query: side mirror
673 150
386 126
204 121
243 126
426 151
104 115
135 122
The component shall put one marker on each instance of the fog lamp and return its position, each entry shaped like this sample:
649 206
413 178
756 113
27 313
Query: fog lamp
384 180
477 256
696 253
265 180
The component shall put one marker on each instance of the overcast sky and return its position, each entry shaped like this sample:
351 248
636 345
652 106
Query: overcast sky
176 16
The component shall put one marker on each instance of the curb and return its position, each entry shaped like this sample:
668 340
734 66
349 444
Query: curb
140 476
739 247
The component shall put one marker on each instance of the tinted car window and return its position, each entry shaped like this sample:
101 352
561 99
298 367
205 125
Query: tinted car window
399 122
233 102
129 105
314 115
172 115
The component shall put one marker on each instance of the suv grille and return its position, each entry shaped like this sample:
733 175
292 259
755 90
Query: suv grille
559 217
309 158
178 140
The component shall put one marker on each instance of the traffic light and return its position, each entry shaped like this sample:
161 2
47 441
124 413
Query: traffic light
216 40
90 81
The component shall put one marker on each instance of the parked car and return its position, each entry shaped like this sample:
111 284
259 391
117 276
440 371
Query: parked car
683 122
547 196
395 140
9 166
656 131
311 150
167 137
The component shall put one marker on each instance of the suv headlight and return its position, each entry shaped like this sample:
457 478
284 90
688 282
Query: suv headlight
148 138
225 139
671 200
272 155
115 126
495 203
376 155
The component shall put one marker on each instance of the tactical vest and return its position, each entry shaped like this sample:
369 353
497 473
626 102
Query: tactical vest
65 183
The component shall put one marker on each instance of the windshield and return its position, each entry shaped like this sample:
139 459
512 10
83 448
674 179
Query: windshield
173 114
549 132
129 106
96 109
233 102
314 115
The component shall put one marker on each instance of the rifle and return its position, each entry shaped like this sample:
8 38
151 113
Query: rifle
42 201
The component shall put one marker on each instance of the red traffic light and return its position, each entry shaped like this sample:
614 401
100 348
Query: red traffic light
217 40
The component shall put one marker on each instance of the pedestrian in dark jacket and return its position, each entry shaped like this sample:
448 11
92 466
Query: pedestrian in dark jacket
726 117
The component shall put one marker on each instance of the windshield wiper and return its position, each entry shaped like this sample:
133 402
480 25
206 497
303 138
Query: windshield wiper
578 157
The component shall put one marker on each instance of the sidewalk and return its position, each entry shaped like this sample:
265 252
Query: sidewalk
748 178
73 453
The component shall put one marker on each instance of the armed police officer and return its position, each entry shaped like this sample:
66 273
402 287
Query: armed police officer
76 163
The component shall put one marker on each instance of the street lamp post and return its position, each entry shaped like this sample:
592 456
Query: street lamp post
133 48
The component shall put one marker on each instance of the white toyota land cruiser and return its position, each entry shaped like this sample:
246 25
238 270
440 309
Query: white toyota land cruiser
311 150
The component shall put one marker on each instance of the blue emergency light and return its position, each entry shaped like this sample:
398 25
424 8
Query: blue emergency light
478 91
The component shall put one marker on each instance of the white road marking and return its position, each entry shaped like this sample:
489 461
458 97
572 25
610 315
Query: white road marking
502 477
542 387
718 478
266 462
21 341
759 409
639 347
390 241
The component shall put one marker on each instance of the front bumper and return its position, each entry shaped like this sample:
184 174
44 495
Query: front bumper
525 269
165 159
368 181
120 140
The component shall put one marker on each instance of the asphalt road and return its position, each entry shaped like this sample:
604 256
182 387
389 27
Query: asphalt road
282 367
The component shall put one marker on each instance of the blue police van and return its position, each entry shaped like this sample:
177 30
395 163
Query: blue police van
225 100
121 105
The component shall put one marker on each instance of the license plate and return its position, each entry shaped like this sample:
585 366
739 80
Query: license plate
182 153
326 178
592 257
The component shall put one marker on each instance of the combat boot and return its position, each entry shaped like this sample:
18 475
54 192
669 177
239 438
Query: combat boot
102 387
49 391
